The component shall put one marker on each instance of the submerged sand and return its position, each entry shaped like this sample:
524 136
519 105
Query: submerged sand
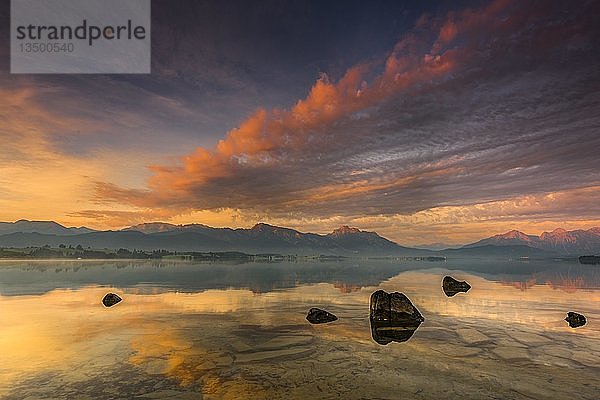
496 342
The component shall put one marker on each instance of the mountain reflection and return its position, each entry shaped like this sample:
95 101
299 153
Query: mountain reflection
348 276
569 282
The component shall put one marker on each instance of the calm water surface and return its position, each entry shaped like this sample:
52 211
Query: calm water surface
212 331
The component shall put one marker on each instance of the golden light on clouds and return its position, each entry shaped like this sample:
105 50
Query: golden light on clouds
39 179
441 139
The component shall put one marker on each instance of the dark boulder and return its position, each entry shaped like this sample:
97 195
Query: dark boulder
575 320
111 299
451 286
318 316
393 317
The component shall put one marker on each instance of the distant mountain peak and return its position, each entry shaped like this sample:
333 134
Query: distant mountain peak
345 230
555 232
152 227
261 226
263 229
513 234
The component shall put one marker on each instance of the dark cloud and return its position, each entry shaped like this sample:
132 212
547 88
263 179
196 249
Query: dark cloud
213 64
483 104
485 107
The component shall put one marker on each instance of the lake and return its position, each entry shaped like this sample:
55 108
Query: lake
189 330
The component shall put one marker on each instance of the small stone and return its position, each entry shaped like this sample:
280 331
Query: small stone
451 286
318 316
111 299
575 320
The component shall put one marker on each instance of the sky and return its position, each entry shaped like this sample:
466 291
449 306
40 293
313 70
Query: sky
423 121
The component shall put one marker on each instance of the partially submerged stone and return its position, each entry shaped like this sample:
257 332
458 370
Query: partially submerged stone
451 286
393 317
110 299
575 320
318 316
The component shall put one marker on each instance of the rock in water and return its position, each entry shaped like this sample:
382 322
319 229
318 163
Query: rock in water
575 320
318 316
393 317
111 299
451 286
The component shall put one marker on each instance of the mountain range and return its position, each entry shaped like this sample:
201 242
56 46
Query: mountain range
264 238
558 241
47 227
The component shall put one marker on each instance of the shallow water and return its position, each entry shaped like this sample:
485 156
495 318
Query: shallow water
213 331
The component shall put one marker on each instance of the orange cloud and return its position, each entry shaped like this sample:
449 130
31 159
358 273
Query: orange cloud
272 139
320 162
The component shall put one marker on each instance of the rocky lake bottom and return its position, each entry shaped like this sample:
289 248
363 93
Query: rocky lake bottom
501 340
